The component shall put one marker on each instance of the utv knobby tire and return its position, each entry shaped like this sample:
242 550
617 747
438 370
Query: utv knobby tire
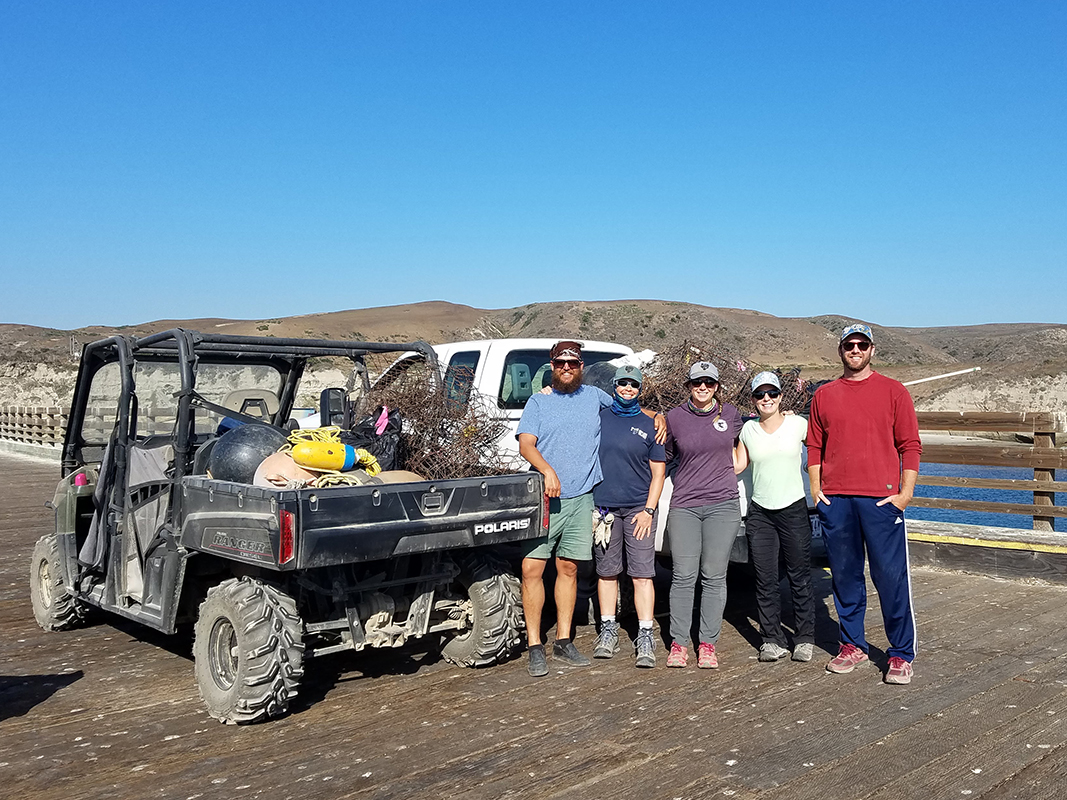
495 614
248 651
54 608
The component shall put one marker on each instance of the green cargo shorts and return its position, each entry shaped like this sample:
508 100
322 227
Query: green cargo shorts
570 530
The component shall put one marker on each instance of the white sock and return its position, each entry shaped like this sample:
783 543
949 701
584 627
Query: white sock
644 623
606 618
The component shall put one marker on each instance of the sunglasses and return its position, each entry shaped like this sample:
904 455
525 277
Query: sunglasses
771 393
566 363
864 346
628 382
703 382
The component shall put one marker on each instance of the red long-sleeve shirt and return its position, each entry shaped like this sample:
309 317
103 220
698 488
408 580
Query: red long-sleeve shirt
863 433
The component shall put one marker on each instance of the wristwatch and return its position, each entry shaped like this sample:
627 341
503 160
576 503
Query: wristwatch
650 511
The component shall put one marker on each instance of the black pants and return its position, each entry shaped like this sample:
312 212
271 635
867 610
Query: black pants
787 529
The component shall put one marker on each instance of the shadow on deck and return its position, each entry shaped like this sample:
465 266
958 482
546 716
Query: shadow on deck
105 712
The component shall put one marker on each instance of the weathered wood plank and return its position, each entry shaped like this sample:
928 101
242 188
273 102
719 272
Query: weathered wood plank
992 483
992 455
989 506
989 421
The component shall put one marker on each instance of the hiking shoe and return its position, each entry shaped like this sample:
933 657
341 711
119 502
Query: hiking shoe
846 660
803 651
899 671
538 664
567 653
679 656
646 648
769 651
706 658
607 643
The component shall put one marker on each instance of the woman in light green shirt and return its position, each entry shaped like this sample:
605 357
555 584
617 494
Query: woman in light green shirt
778 519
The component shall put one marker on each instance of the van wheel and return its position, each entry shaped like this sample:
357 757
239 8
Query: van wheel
54 608
494 609
248 651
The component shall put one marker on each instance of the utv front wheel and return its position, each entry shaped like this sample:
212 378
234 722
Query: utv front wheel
248 651
54 608
494 609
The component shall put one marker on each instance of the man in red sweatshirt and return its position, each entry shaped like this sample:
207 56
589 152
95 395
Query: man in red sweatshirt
863 460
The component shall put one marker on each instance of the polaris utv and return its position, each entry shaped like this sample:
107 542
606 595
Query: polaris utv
269 576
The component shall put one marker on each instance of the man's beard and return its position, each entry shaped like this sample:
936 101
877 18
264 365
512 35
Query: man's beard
566 388
863 363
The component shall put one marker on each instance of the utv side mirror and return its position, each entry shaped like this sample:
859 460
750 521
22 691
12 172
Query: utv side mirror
332 406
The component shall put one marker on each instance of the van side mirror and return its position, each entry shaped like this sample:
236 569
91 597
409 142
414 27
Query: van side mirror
332 406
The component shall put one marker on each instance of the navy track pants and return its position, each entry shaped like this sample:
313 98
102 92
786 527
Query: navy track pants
852 525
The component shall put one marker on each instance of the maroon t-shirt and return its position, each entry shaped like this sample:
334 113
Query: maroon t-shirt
704 445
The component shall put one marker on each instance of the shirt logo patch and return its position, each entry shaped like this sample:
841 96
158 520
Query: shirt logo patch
720 425
639 432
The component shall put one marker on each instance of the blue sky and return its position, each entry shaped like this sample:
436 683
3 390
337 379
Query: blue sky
902 163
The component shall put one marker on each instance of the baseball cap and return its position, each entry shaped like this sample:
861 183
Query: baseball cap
628 373
765 379
860 328
566 349
704 369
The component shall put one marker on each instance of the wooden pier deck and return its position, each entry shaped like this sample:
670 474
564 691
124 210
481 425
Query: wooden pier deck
111 711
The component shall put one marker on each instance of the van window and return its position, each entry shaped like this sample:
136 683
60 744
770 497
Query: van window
526 372
459 377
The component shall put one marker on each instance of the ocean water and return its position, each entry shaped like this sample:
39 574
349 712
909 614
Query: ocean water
994 495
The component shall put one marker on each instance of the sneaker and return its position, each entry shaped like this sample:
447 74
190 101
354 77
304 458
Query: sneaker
899 671
646 648
538 664
769 651
607 643
566 652
803 651
706 658
679 656
846 660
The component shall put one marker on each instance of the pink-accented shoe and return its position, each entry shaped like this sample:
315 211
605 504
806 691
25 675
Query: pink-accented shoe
678 657
899 671
846 660
706 658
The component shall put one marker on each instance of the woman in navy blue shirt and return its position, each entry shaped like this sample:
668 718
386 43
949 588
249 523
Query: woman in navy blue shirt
634 469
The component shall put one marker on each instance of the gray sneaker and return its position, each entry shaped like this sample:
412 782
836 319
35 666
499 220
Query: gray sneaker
566 653
607 643
770 651
803 651
537 665
646 648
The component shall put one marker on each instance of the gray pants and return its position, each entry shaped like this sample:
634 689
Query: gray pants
701 539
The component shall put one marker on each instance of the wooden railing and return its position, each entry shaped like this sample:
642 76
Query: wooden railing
33 425
1043 457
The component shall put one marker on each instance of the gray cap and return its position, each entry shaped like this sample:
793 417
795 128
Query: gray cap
766 379
628 373
704 369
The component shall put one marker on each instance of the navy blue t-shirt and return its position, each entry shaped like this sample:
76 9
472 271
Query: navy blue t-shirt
627 444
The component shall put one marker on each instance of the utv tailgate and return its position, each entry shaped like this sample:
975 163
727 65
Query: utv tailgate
350 524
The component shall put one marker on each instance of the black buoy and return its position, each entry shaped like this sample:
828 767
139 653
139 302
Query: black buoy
239 451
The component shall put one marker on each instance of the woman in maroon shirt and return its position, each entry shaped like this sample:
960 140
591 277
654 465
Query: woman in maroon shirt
705 512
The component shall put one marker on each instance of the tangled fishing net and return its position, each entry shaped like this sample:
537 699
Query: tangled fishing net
449 431
666 377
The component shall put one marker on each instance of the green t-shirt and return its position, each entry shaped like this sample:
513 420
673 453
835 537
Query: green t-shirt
775 457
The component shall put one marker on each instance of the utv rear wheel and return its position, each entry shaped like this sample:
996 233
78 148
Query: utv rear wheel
495 614
54 608
248 651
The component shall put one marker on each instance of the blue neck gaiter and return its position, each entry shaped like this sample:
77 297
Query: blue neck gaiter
625 408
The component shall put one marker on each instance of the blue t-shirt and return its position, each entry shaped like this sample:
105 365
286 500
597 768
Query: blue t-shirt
567 427
627 444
